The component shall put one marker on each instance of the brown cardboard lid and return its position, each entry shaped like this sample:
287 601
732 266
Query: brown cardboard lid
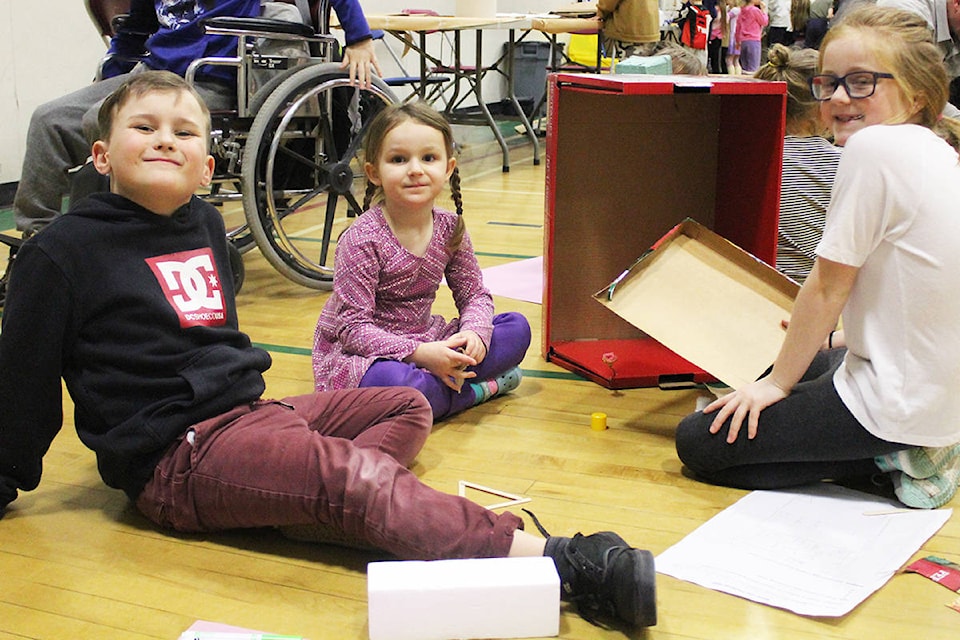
707 300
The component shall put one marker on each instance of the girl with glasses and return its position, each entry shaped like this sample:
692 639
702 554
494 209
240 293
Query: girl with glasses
879 397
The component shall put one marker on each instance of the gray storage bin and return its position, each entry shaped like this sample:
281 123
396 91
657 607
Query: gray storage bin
530 72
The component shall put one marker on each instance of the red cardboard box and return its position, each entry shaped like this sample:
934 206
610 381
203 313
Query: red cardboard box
628 158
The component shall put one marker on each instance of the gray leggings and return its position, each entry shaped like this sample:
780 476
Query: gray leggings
806 437
59 139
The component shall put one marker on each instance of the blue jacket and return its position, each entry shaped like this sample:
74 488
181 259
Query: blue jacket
169 32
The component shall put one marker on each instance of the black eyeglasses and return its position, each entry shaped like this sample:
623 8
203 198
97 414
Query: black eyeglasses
857 84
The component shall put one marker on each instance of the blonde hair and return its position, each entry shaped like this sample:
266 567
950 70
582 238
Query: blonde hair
794 67
421 113
682 62
903 43
799 14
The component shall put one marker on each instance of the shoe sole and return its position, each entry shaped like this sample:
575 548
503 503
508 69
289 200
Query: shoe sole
645 576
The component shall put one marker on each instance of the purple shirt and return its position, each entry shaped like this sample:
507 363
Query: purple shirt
383 295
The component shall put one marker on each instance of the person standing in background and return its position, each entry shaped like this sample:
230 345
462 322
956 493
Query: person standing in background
630 27
799 17
781 30
821 12
733 47
750 24
719 41
943 16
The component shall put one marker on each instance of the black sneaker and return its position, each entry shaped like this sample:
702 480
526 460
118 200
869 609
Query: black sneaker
607 578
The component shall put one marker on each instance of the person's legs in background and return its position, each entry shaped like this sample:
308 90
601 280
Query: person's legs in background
58 141
55 144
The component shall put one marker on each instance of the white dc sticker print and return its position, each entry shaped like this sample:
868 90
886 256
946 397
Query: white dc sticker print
192 286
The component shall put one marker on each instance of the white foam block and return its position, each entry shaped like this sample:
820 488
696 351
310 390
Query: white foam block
450 599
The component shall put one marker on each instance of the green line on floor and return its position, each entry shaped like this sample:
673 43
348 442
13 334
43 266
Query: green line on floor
527 373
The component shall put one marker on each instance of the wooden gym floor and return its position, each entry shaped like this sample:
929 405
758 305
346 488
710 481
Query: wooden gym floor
78 562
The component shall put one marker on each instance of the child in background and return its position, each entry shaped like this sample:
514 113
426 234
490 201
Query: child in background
799 17
809 162
733 48
682 62
753 18
630 27
376 329
694 20
127 298
719 41
880 395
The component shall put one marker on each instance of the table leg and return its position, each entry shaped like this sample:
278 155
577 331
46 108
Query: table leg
512 94
422 89
476 86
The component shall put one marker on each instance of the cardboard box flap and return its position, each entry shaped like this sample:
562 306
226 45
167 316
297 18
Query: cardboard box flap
707 300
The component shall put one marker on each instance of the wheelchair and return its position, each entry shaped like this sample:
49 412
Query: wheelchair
290 152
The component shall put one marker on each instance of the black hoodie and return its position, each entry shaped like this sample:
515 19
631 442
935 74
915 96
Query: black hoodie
136 312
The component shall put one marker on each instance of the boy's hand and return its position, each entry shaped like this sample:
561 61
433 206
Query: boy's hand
443 360
361 59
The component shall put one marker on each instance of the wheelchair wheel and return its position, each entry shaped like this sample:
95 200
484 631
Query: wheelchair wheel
302 170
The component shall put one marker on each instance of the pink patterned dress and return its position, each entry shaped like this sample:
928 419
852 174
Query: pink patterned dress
383 295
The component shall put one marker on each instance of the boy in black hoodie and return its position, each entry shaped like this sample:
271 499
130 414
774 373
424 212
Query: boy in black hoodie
124 299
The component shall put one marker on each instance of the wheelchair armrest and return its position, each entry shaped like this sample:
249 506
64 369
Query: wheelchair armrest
259 25
118 21
10 241
128 61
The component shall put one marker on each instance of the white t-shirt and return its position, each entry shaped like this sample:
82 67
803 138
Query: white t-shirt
779 13
895 214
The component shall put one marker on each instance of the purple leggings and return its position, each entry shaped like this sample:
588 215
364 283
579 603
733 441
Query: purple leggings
338 458
508 346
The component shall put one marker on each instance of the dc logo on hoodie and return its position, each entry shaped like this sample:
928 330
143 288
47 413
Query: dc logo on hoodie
191 284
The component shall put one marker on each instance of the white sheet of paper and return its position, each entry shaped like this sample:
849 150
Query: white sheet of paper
815 551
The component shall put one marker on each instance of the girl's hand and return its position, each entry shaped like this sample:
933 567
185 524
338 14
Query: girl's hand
443 360
471 344
747 403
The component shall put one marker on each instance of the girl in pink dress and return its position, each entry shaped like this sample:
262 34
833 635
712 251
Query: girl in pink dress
377 328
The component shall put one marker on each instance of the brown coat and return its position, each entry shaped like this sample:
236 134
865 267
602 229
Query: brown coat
630 21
